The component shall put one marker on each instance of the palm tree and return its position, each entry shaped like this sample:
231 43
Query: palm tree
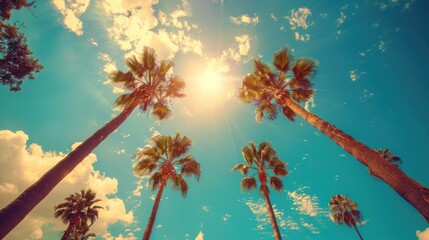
77 211
387 155
147 87
161 159
264 161
288 86
345 210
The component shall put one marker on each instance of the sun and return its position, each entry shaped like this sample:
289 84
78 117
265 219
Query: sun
209 83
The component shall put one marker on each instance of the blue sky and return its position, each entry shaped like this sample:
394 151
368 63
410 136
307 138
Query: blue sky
371 83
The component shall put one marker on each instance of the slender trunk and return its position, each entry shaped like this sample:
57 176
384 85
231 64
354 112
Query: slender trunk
360 236
15 212
271 214
66 234
152 217
413 192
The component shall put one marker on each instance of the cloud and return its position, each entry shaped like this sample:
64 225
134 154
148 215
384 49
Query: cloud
200 236
341 19
226 217
132 26
71 12
139 186
129 236
310 104
353 75
299 18
93 42
304 203
205 208
259 209
243 44
244 19
273 17
423 235
22 165
302 37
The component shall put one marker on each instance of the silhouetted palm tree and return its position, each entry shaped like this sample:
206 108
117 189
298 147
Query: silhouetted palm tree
343 210
79 212
288 86
147 87
159 159
265 162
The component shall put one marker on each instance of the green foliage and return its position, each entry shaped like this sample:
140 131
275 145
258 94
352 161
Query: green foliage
264 161
146 83
159 160
16 62
343 210
267 88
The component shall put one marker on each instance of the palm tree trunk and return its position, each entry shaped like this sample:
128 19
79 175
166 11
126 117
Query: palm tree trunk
271 214
15 212
152 217
413 192
360 236
66 234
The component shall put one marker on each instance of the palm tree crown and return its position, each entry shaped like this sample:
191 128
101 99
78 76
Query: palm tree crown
344 210
160 159
387 155
290 79
146 84
265 162
78 211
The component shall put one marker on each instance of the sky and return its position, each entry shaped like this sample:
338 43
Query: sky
371 82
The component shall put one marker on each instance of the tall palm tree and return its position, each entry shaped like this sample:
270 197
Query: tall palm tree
387 155
161 159
287 86
77 211
344 210
147 87
265 163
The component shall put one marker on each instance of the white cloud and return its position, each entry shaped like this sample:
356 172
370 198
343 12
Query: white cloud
353 75
93 42
200 236
244 19
71 10
259 209
273 17
341 19
423 235
243 44
205 208
129 236
226 217
305 204
302 37
299 18
310 104
22 165
382 46
139 186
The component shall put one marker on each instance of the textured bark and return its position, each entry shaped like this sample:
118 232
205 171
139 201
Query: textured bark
271 214
413 192
151 222
16 211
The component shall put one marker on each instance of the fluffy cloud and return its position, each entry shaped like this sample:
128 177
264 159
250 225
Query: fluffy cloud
260 211
243 44
299 18
423 235
71 10
305 204
341 19
132 26
22 165
244 19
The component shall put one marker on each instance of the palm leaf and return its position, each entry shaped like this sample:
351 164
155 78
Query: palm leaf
177 182
302 95
148 58
282 60
155 180
280 171
276 183
160 111
242 168
135 66
191 167
304 68
248 154
248 184
260 68
288 113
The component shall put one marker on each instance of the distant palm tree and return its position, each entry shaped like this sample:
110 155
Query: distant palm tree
161 159
345 210
288 86
147 87
265 162
77 211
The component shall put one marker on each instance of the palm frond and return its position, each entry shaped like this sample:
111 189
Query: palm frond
180 145
260 68
304 68
177 182
148 58
160 111
242 168
302 95
175 86
248 184
155 180
135 67
145 167
248 154
191 167
281 60
165 66
276 183
123 80
124 100
289 114
280 171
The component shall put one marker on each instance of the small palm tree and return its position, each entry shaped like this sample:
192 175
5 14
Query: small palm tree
265 163
147 87
287 86
79 212
344 210
161 160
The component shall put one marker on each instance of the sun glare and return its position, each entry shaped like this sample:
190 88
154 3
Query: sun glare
210 83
